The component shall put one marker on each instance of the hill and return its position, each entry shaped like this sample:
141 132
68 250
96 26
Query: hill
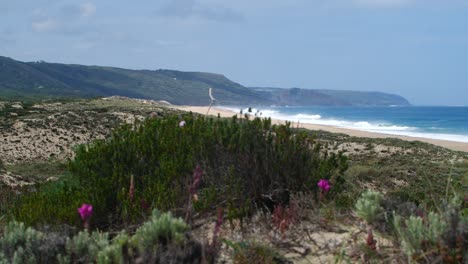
316 97
44 79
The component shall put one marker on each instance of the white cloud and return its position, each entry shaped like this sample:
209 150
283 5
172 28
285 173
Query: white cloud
44 25
87 9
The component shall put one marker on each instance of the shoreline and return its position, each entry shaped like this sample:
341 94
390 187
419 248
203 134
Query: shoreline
453 145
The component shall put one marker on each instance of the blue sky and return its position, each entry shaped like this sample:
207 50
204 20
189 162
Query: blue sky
415 48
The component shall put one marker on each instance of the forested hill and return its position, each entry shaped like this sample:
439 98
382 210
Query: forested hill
44 79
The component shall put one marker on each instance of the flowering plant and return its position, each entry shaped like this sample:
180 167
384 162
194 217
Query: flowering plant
85 212
324 185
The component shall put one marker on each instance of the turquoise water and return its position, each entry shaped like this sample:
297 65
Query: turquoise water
449 123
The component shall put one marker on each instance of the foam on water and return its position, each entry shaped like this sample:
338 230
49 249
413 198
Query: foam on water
379 127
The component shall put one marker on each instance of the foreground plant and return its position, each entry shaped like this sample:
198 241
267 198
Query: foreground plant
368 206
162 239
240 161
85 212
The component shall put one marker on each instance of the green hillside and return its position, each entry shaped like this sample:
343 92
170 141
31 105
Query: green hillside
43 79
306 97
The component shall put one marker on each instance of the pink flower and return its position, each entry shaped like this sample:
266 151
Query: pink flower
85 211
182 123
324 185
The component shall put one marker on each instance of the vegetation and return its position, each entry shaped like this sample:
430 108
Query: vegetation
249 191
312 97
242 162
27 80
422 236
160 240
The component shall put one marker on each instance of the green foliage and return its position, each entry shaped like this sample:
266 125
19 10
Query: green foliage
162 228
368 206
41 79
53 203
241 160
85 247
38 170
159 240
436 236
19 243
253 252
114 252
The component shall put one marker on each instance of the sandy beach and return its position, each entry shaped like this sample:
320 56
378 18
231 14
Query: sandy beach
454 145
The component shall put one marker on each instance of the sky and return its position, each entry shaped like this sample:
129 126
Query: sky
414 48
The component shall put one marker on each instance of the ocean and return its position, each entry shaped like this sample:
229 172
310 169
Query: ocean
447 123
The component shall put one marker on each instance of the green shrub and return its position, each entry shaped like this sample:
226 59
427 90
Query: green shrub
21 244
438 236
255 253
161 229
85 247
160 240
241 161
114 252
53 203
368 206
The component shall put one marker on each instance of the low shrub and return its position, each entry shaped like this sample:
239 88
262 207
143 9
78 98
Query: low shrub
52 203
255 253
368 206
436 236
241 162
160 240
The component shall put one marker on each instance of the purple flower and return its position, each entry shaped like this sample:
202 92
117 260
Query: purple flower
85 211
324 185
182 123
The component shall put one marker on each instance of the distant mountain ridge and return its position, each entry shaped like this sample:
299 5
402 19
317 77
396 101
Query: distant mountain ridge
321 97
44 79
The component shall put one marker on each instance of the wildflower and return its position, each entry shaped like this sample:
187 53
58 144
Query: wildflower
370 241
324 185
214 246
182 123
85 211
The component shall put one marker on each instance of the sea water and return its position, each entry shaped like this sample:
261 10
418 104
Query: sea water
447 123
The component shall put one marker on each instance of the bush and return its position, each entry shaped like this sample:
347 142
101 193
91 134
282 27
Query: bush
85 247
368 206
160 240
53 203
253 252
241 160
160 229
435 236
21 244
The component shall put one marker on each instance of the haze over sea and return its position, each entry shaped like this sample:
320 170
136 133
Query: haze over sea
436 122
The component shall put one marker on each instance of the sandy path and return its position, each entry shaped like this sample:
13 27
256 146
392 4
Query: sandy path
454 145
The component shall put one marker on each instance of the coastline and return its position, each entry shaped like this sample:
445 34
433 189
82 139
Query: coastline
453 145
